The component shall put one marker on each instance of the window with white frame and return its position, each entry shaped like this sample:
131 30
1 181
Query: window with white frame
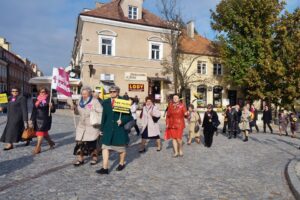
156 51
201 67
107 45
217 69
132 12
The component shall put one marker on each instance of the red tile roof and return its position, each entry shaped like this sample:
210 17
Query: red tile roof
197 45
113 11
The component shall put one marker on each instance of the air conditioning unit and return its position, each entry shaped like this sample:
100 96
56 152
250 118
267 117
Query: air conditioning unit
107 77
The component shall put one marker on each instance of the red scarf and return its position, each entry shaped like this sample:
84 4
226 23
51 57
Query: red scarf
41 99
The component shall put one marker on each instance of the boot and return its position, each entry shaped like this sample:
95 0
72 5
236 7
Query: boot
246 139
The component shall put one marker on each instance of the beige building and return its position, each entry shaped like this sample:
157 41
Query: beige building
123 44
206 72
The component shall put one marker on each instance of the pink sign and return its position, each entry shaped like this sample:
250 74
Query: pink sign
60 82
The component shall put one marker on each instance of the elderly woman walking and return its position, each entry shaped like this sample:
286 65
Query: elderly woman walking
41 119
194 125
17 119
283 122
87 130
210 125
175 124
245 122
150 116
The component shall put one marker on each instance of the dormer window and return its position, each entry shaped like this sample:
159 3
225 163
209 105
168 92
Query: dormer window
132 12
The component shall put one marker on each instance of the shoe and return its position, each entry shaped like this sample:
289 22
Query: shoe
8 148
246 139
142 151
189 143
229 137
93 162
36 151
158 149
175 155
120 167
27 143
78 163
52 145
102 171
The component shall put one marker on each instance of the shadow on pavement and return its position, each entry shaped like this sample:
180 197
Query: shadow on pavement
10 166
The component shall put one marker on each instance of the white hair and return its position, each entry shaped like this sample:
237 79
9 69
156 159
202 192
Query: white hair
86 88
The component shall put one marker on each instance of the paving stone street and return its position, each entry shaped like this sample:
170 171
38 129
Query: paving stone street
231 169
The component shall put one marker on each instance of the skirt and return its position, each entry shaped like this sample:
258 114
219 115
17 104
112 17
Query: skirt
145 135
42 133
119 149
85 147
173 134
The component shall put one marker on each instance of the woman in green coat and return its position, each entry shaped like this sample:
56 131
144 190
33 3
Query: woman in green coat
114 138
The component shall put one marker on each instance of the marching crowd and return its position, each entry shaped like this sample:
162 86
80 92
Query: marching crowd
101 130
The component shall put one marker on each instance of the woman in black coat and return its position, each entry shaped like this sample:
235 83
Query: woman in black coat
210 125
267 118
41 119
17 119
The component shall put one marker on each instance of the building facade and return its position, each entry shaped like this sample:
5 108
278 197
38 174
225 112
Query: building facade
15 71
123 44
206 72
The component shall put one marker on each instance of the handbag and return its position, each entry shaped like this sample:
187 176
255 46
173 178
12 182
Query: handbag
197 128
129 125
155 119
28 134
95 118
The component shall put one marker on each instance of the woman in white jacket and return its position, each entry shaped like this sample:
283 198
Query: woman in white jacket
150 116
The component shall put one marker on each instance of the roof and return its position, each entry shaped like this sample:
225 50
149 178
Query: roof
197 45
113 11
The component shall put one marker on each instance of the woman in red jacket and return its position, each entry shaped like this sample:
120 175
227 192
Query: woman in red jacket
175 124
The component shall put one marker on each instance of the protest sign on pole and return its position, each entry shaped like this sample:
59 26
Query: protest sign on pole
122 106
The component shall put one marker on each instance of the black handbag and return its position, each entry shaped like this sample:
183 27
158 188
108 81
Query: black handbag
155 119
197 128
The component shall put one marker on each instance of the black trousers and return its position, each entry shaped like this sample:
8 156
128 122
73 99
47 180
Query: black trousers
136 128
253 124
208 138
225 126
269 125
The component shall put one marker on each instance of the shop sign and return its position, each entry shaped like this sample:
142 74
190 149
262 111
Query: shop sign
136 87
135 76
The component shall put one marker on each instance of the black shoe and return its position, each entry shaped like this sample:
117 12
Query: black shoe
142 151
102 171
246 139
27 143
120 167
7 149
229 137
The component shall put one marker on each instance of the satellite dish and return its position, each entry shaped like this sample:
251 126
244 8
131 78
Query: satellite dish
72 74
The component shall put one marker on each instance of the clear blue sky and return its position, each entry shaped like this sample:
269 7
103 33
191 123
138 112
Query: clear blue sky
43 30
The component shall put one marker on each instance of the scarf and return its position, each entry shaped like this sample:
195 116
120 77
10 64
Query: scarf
83 103
41 99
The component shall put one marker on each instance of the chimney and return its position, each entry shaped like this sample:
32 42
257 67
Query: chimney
99 4
191 29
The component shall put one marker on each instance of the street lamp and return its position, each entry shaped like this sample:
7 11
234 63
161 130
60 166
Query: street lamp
91 67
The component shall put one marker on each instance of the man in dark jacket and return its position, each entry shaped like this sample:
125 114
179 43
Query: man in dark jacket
267 118
114 138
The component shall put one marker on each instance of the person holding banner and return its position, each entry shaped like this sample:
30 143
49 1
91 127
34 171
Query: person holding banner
87 130
41 119
150 116
115 137
175 124
17 119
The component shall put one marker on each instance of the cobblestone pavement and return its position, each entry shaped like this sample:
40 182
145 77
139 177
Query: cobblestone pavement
231 169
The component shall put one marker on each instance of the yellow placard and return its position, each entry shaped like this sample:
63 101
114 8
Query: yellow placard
122 106
3 98
106 96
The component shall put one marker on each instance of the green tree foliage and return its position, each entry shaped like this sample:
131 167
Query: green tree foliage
260 48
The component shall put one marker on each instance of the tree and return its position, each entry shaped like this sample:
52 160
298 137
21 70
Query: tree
180 64
261 48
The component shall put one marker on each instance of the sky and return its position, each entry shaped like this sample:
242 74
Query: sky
43 30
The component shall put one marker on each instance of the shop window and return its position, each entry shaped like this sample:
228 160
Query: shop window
217 96
201 96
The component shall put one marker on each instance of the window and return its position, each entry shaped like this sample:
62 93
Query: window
132 12
217 96
201 96
155 51
217 69
201 67
107 45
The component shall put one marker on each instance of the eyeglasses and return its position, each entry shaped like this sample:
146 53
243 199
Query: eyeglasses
14 91
112 91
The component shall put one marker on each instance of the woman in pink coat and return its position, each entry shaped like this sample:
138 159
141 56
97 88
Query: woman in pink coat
150 116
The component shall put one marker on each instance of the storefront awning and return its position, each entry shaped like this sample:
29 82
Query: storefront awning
43 80
165 80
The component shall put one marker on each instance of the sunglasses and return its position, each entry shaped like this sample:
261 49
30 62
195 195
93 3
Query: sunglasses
112 91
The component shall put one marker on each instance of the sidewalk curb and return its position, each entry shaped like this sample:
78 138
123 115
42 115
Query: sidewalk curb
292 178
